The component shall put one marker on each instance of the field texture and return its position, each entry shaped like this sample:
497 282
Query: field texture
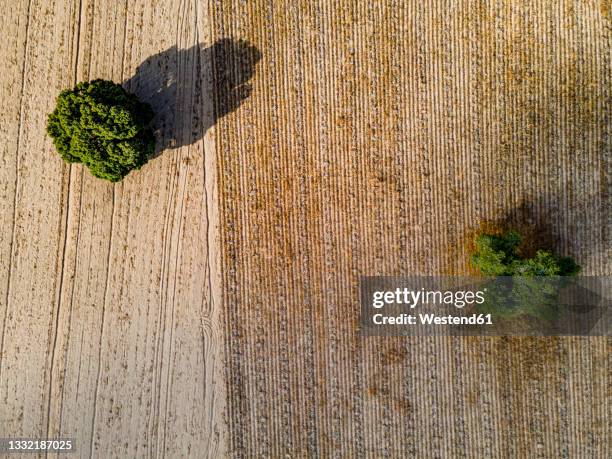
208 304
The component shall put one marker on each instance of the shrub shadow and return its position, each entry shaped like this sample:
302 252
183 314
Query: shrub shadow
540 225
190 89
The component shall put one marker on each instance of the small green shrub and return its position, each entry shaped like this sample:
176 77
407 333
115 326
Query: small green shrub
497 256
104 127
522 293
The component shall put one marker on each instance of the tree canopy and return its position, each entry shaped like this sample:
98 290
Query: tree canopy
525 291
101 125
498 256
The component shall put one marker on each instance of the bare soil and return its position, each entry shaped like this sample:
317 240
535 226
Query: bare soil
207 305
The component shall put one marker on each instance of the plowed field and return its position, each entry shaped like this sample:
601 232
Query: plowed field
207 305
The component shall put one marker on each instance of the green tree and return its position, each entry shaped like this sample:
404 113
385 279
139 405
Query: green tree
521 292
498 256
104 127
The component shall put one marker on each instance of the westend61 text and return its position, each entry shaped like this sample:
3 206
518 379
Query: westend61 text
432 319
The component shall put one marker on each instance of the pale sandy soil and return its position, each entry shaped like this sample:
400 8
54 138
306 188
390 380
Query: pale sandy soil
207 305
110 325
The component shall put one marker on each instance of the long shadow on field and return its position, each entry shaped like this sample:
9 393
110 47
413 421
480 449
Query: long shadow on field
190 89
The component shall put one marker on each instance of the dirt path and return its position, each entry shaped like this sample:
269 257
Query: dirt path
207 305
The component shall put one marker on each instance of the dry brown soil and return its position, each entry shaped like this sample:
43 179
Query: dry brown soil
207 305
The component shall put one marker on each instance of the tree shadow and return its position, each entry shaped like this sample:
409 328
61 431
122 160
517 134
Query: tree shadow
540 223
190 89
